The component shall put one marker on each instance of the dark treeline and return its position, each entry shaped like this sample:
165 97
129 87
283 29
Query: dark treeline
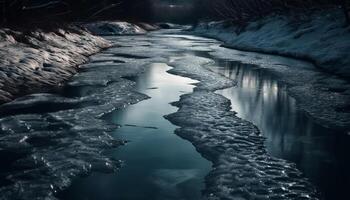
43 11
243 11
37 11
190 11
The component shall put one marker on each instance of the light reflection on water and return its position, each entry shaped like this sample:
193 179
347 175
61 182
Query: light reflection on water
320 153
158 163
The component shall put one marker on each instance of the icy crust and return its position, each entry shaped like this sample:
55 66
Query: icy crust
31 61
194 67
169 26
115 28
63 137
321 37
323 96
242 169
46 140
148 27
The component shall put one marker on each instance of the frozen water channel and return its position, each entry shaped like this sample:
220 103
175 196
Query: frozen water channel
157 163
170 116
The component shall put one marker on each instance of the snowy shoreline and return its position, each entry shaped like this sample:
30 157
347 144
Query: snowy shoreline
33 61
47 140
320 39
39 61
322 91
235 145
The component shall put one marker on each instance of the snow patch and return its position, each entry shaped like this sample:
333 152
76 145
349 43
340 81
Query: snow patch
322 92
31 61
47 140
322 38
114 28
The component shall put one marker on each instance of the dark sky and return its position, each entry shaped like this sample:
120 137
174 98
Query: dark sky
176 11
175 1
179 11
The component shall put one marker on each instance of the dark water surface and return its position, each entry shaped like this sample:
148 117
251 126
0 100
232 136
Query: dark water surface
157 163
320 153
160 165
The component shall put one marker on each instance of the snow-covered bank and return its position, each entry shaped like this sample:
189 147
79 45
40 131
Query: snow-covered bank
50 139
46 140
36 60
320 38
324 94
118 28
169 25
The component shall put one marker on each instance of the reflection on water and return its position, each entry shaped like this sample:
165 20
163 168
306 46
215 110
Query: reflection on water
158 163
321 153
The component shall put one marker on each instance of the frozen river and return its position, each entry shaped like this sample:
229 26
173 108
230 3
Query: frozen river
157 163
114 131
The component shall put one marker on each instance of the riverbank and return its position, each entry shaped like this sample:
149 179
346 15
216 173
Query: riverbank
319 39
49 140
108 28
39 60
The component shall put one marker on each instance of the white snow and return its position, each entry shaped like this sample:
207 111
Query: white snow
60 138
232 144
114 28
32 60
321 38
242 169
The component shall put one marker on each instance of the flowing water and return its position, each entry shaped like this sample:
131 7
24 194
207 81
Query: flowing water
156 163
321 153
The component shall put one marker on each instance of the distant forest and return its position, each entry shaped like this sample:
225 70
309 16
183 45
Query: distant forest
243 11
237 11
